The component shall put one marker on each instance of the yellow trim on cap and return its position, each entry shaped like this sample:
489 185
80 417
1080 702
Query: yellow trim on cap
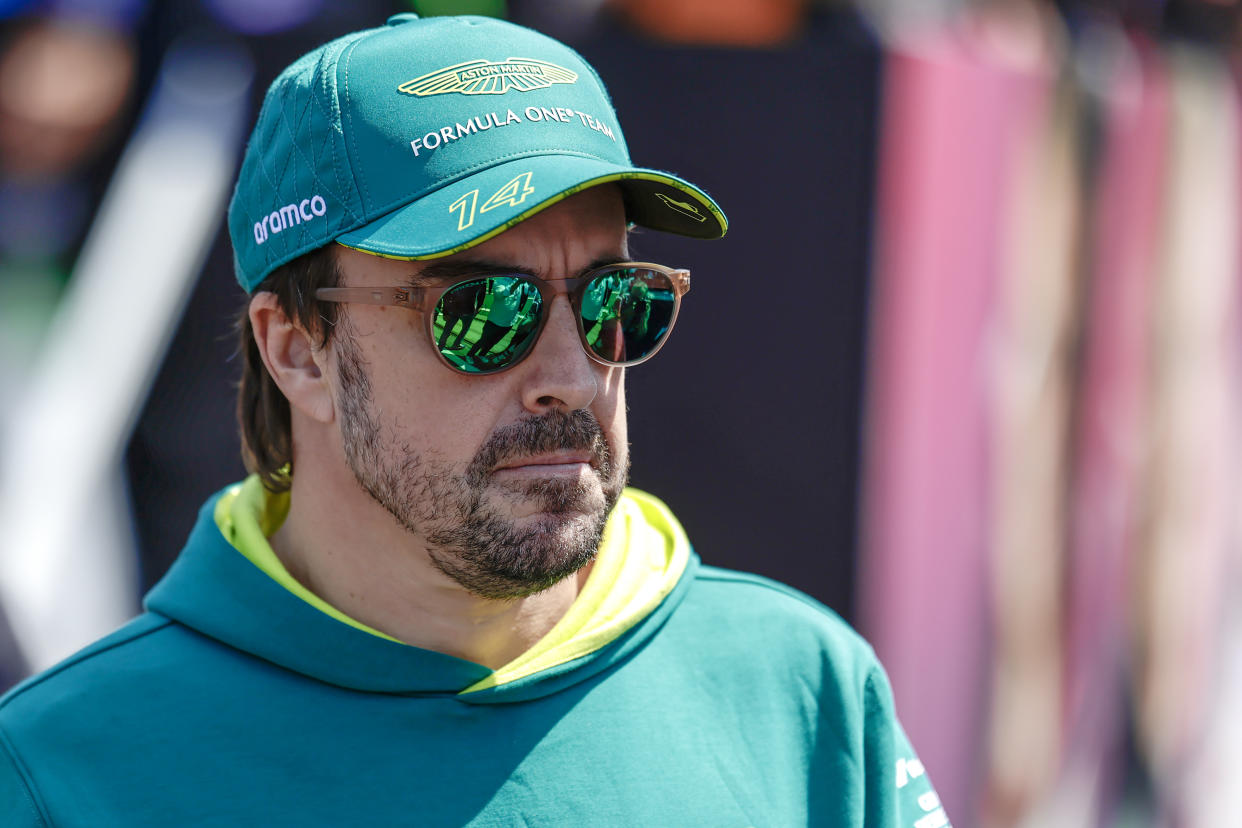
721 221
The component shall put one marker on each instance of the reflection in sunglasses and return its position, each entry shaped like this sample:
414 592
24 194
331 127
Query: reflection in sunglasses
486 324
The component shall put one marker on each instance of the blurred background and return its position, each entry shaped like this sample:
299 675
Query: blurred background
965 368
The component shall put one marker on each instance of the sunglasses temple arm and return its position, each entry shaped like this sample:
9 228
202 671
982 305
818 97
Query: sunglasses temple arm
389 296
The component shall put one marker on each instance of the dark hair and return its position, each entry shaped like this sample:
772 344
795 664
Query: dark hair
262 409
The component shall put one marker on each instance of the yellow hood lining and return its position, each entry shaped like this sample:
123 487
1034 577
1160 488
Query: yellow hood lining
642 556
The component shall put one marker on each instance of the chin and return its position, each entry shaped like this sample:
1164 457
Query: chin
557 526
554 500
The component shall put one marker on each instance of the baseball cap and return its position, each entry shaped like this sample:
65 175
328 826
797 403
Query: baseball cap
424 137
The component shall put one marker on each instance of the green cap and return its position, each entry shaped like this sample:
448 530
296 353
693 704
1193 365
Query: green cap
427 136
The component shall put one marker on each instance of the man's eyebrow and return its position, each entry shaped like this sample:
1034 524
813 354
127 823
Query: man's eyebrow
440 272
604 261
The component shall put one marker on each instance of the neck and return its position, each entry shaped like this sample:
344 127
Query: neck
344 547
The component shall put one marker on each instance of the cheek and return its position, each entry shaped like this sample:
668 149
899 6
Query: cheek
433 416
610 410
421 405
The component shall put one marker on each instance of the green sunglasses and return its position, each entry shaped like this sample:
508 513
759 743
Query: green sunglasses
488 323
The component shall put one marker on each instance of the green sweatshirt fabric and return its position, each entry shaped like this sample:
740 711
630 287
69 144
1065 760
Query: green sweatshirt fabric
640 559
731 701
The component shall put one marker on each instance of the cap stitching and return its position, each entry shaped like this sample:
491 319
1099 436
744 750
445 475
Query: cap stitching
293 129
263 162
359 186
264 260
270 260
249 216
328 94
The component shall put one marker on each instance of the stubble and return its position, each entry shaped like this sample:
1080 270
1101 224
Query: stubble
470 537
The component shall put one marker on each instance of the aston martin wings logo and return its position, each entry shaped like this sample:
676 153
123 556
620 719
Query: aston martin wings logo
485 77
683 207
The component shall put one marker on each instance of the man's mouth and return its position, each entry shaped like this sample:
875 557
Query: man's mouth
548 464
556 447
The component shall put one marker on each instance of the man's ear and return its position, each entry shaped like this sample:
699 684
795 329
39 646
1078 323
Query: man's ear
289 353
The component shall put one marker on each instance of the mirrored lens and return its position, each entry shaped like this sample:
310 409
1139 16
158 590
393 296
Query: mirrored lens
627 312
483 325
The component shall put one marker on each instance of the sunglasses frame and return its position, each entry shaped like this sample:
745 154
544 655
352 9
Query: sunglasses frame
423 299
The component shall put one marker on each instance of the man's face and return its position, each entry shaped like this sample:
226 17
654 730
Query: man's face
506 478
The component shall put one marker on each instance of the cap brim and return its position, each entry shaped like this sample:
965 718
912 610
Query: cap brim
483 205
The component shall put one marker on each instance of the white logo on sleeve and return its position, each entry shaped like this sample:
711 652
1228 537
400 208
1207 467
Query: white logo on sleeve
908 769
934 815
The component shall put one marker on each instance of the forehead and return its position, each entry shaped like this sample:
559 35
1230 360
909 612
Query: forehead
556 242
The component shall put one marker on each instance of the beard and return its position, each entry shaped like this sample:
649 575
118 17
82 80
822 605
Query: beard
471 537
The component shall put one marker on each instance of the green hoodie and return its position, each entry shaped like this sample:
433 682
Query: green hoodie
671 693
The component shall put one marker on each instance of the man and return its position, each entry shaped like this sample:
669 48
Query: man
435 602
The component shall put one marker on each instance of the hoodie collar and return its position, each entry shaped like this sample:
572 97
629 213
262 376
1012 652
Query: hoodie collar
229 585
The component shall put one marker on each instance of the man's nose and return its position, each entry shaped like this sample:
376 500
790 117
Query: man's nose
559 374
